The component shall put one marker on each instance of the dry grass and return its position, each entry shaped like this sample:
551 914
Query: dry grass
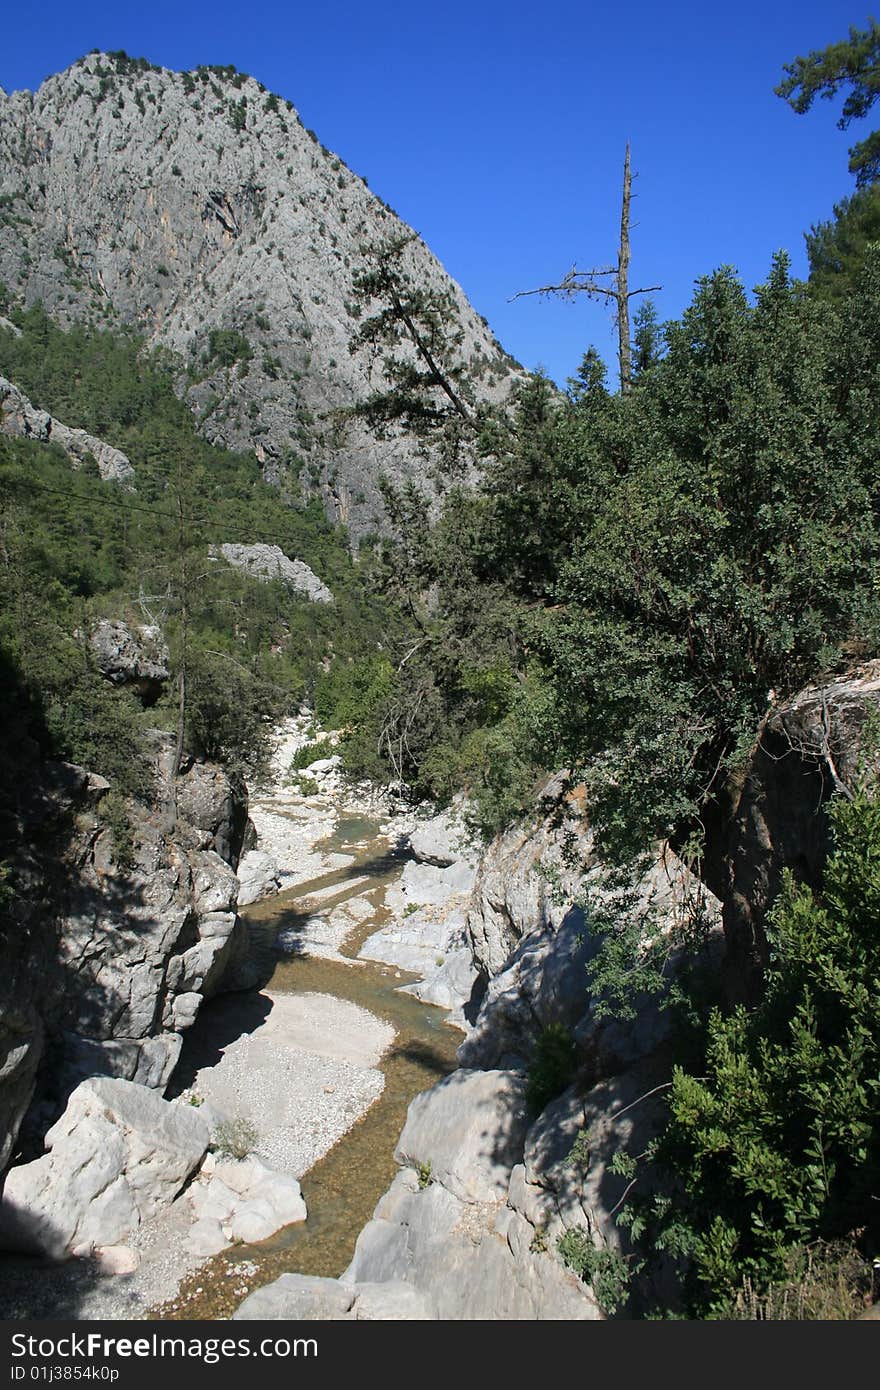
827 1281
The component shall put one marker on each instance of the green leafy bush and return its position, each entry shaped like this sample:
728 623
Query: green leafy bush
552 1068
776 1144
604 1270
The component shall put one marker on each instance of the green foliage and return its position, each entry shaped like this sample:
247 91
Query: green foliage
852 63
723 544
837 248
416 333
226 346
424 1174
605 1270
777 1142
553 1067
76 548
114 813
310 752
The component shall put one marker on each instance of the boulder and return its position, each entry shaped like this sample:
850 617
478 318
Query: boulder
468 1261
267 562
117 1156
258 877
248 1200
22 420
467 1133
444 840
135 657
298 1298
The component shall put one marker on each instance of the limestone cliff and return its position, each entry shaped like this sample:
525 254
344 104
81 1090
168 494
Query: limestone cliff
196 209
109 952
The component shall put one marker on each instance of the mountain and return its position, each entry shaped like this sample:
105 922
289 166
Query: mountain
195 209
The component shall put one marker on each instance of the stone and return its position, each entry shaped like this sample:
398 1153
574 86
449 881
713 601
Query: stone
297 1298
469 1261
22 420
116 1259
205 1237
248 1200
620 1115
267 562
467 1133
135 657
393 1301
258 877
443 839
117 1156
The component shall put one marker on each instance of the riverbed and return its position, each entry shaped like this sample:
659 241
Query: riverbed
342 1188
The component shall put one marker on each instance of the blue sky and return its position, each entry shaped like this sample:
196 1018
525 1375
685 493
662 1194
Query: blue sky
497 128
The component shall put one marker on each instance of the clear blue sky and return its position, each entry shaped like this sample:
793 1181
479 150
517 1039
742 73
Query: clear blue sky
497 128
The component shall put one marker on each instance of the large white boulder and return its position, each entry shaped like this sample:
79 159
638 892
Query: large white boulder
118 1155
258 877
467 1133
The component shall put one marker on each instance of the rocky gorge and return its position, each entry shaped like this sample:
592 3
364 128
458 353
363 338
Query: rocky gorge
489 1180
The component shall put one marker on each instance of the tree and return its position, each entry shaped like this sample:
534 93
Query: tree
722 543
836 249
417 328
617 292
853 63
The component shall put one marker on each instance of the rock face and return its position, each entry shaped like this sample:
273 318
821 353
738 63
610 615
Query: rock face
532 943
196 208
808 746
117 1155
467 1132
269 562
21 420
125 955
258 877
137 658
425 932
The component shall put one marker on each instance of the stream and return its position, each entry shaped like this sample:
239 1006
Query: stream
341 1190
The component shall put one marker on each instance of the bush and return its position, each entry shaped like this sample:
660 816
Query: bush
777 1143
552 1068
234 1138
824 1282
605 1271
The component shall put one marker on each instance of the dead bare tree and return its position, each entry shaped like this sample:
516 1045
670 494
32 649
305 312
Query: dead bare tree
588 282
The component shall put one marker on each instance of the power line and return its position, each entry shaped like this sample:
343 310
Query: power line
126 506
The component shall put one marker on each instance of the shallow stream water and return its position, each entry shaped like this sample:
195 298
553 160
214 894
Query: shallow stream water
341 1189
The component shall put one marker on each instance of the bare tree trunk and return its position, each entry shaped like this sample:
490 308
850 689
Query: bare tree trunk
617 292
622 286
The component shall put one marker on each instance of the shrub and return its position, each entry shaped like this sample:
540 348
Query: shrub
605 1270
235 1138
777 1143
552 1068
824 1282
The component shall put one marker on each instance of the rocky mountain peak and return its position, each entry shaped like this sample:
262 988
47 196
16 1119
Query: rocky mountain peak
196 209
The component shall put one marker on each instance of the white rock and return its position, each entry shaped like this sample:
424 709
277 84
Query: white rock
467 1133
117 1259
258 877
118 1155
